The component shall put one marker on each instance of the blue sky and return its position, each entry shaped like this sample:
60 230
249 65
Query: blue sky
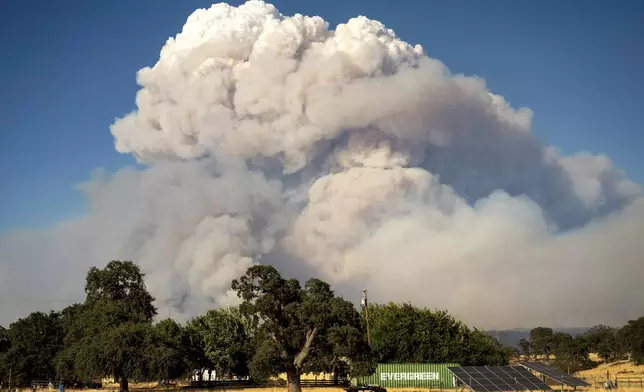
69 69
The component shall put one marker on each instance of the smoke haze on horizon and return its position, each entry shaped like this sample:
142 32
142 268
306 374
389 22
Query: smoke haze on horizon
352 156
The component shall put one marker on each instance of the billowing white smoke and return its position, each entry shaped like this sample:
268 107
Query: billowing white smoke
350 155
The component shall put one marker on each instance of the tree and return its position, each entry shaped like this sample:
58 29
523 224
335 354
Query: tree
4 347
195 331
110 333
167 352
32 343
4 340
405 333
510 353
604 341
526 347
225 336
121 282
481 350
571 353
541 339
300 330
631 337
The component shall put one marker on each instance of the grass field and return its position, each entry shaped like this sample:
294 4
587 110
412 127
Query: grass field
144 387
628 376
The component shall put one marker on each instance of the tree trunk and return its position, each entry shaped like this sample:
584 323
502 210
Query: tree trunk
124 385
293 380
200 377
304 353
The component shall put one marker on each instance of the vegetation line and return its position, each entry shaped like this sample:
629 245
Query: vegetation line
281 329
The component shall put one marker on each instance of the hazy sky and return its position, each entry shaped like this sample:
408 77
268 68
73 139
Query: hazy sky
69 69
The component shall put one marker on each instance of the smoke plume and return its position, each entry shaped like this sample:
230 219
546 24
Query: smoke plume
352 156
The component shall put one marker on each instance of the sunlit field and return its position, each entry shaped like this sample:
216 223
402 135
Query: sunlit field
628 376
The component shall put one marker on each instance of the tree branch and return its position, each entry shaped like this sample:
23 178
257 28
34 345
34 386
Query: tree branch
279 346
299 358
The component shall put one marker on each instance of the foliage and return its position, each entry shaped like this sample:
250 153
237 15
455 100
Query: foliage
632 338
225 339
604 341
121 282
300 330
525 347
31 344
480 349
4 347
196 346
571 353
541 341
102 341
4 340
281 327
404 333
167 352
111 333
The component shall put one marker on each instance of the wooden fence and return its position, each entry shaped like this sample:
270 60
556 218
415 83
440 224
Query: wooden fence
630 382
242 384
621 382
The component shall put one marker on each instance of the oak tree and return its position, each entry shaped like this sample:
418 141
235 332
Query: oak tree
541 340
526 347
4 347
225 337
32 343
632 338
406 333
109 333
301 329
571 353
603 340
167 352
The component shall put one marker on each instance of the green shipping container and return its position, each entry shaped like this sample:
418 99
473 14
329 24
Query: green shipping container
410 375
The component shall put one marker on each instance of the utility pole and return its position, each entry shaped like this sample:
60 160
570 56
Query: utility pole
10 369
365 304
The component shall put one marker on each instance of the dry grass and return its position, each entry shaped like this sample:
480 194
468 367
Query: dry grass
630 378
135 387
620 369
145 386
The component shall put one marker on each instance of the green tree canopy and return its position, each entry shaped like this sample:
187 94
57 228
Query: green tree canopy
632 338
4 340
121 282
299 329
110 333
571 353
604 341
480 349
167 351
541 340
33 343
195 331
525 347
405 333
4 347
225 336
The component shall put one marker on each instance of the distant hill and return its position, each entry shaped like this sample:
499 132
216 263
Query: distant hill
513 336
